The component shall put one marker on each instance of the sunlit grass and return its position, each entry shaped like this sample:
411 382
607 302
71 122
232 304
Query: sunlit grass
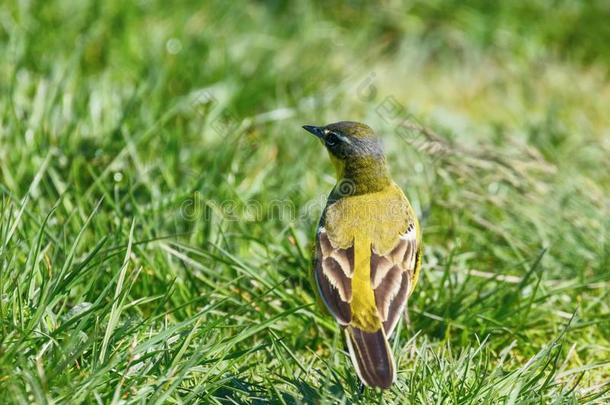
158 200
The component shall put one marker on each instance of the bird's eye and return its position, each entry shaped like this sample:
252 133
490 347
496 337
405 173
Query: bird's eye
331 139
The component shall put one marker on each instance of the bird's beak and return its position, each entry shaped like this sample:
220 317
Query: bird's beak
317 131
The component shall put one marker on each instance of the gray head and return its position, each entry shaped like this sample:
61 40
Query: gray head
348 139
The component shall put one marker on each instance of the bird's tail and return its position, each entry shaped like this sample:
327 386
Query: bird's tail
372 357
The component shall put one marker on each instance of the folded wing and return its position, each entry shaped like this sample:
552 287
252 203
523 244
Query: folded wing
333 271
391 276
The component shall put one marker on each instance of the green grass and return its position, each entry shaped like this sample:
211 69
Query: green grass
158 198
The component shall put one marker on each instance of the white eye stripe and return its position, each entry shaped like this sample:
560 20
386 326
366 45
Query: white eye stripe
341 137
345 139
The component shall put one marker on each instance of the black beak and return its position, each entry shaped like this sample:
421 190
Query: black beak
317 131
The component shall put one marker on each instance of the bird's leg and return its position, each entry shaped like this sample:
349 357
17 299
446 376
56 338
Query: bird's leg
361 389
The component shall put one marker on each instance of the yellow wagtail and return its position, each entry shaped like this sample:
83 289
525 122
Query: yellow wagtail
368 249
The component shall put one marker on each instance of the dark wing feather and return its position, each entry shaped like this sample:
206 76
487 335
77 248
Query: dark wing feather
333 270
391 276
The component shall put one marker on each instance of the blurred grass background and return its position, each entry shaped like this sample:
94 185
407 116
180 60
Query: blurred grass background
158 198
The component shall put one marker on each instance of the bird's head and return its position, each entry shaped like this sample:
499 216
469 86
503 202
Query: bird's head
348 143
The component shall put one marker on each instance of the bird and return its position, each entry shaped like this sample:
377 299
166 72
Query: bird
368 249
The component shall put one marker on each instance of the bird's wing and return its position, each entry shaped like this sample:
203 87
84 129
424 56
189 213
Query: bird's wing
392 275
333 270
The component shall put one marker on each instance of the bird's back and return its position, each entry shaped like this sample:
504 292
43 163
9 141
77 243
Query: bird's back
367 258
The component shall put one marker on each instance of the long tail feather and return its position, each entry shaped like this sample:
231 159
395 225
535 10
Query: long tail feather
372 357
